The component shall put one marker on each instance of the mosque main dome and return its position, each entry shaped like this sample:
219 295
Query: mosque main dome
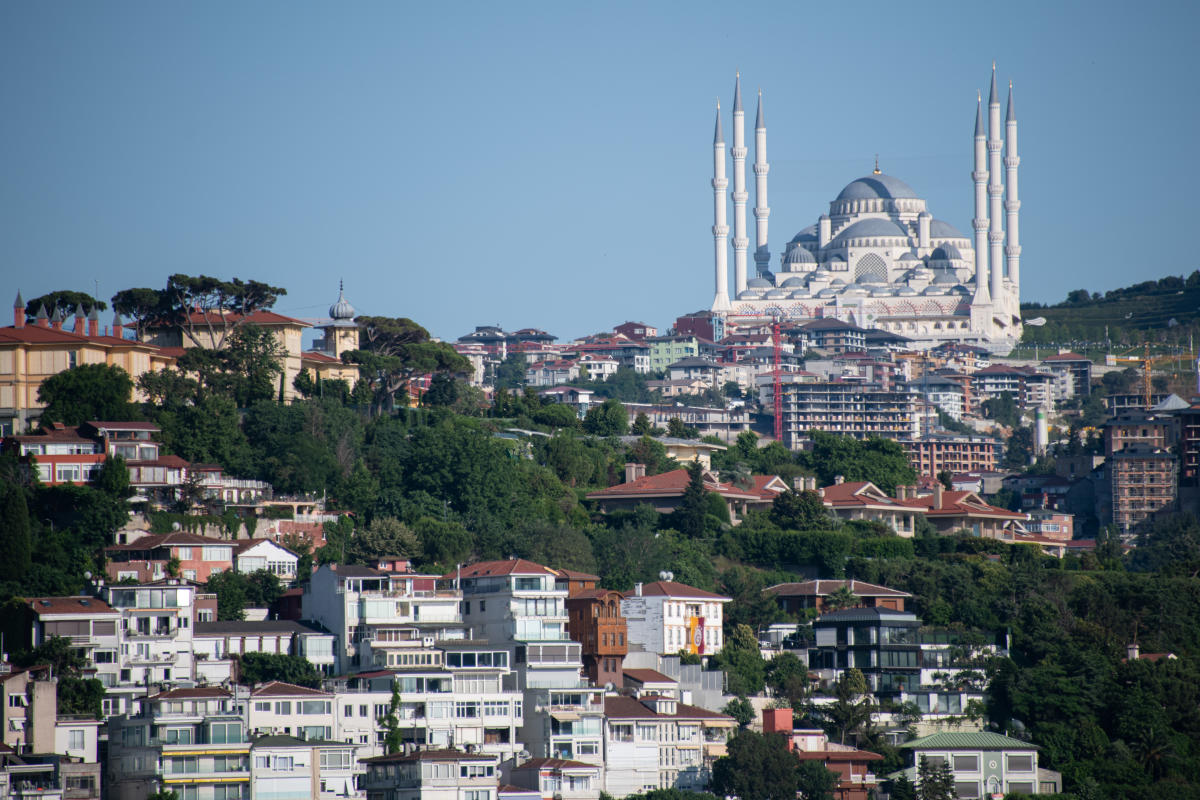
878 186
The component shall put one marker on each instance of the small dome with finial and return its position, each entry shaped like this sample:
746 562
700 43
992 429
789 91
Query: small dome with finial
341 309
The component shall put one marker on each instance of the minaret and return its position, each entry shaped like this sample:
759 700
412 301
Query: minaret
762 253
720 228
1012 203
980 222
995 193
738 151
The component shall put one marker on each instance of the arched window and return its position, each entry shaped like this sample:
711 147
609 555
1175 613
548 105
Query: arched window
871 266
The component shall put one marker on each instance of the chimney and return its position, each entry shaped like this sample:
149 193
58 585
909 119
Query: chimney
56 319
799 483
19 312
637 590
838 480
937 496
42 320
634 471
80 328
118 329
1132 652
93 328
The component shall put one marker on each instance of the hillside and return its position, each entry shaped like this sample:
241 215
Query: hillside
1163 311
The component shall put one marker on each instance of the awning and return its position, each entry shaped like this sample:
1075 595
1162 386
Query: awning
564 716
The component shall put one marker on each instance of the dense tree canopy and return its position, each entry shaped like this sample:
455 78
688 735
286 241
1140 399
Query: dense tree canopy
89 392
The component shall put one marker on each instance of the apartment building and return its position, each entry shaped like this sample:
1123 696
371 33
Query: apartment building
984 764
381 619
216 643
850 409
559 778
88 623
251 555
656 742
796 598
156 639
145 558
880 642
521 605
1139 427
594 619
1144 483
952 452
286 768
1077 367
284 708
445 774
191 741
666 617
724 423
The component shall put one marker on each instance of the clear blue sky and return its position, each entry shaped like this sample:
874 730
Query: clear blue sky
547 164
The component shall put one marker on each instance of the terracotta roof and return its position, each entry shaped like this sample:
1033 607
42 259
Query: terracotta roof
555 763
673 589
823 588
593 594
620 707
857 493
512 566
50 606
176 539
956 504
124 426
281 689
428 755
34 334
576 575
648 676
849 754
161 461
669 484
194 693
313 355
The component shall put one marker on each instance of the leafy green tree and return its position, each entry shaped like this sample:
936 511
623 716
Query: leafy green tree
849 715
903 789
569 458
80 696
679 430
141 306
206 310
253 364
112 478
393 738
68 301
741 710
757 767
443 391
1003 409
88 392
56 652
800 511
90 516
16 542
393 351
230 588
651 453
814 781
641 425
742 661
935 782
883 462
510 373
208 432
607 419
788 678
256 668
384 536
557 415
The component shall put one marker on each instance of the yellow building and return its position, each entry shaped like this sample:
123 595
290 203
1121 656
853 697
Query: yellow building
339 334
31 353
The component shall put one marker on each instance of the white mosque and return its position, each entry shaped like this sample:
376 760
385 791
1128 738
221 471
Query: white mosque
879 256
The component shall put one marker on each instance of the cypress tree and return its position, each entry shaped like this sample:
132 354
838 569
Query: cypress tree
15 543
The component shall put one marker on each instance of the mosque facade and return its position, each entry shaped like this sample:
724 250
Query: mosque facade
879 257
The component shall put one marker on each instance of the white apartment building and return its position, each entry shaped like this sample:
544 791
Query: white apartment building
251 555
90 624
284 708
156 639
521 606
381 619
665 617
559 778
656 742
287 768
432 775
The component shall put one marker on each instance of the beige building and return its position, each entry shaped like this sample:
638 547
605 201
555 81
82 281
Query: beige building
31 353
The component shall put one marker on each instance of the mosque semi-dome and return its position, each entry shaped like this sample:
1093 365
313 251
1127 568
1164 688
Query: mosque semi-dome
876 187
799 255
872 226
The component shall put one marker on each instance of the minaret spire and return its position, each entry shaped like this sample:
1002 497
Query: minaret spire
720 229
762 253
1012 202
995 194
738 151
980 221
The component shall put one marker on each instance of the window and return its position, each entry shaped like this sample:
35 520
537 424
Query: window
261 706
74 740
283 763
966 763
476 771
1024 787
335 759
1020 764
363 711
967 790
283 707
262 762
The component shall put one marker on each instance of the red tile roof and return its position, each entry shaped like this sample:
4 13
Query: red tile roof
51 606
281 689
512 566
670 484
576 575
672 589
621 707
124 426
177 539
853 494
324 358
648 676
956 503
824 588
